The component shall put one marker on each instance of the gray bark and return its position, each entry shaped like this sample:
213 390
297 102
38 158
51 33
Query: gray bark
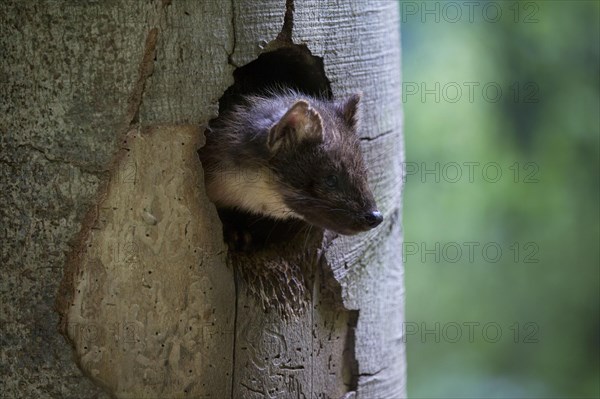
104 212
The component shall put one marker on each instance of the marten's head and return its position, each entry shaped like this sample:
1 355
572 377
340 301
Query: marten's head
319 168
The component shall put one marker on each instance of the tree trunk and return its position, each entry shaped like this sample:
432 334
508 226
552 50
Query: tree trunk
104 211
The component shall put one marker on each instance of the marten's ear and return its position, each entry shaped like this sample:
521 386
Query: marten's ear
349 110
301 123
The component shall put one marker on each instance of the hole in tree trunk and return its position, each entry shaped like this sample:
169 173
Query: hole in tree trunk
291 67
275 257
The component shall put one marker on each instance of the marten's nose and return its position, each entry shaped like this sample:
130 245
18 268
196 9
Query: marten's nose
373 219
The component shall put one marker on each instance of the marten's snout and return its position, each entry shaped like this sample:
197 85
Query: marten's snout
373 219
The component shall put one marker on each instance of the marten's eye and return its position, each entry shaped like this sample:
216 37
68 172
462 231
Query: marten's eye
331 181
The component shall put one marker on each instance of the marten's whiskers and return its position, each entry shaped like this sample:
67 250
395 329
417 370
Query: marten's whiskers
308 231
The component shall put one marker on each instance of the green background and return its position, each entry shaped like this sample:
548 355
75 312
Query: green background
523 322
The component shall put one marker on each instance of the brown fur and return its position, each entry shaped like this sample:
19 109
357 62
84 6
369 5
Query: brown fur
289 155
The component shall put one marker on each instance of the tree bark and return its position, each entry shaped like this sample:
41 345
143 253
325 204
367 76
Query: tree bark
104 211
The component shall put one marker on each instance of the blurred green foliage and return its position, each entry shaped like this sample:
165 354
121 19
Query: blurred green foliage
523 323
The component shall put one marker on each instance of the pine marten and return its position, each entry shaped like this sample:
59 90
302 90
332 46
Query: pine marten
287 155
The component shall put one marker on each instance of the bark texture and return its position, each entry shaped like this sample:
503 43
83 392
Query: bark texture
103 207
